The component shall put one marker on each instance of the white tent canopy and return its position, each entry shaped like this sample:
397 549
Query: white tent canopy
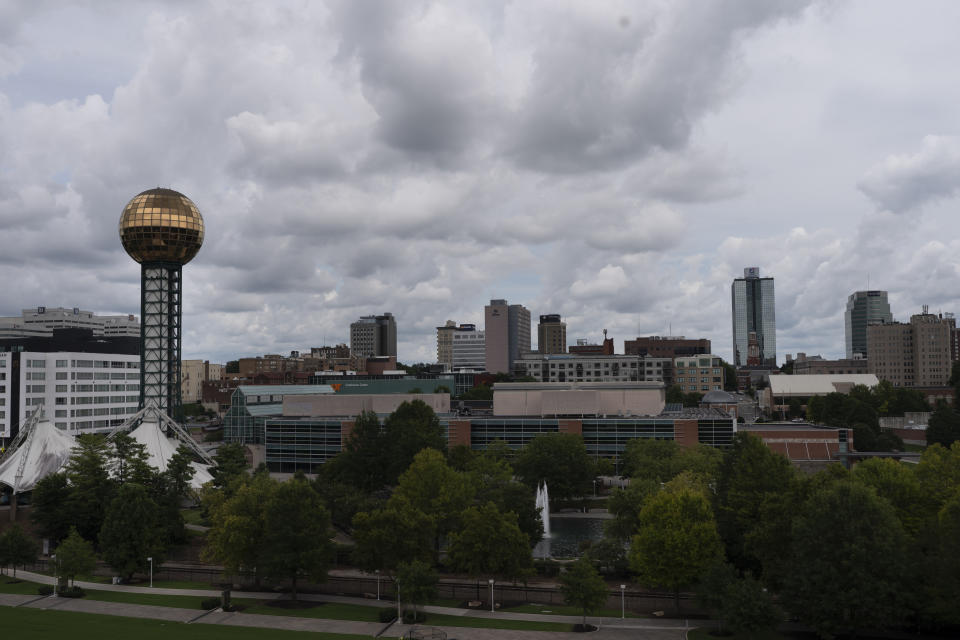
160 449
47 451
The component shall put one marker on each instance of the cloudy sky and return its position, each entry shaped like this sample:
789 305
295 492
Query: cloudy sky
618 163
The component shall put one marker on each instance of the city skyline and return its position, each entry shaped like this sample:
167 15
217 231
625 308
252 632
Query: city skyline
353 157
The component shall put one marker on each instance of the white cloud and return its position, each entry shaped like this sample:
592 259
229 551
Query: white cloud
908 181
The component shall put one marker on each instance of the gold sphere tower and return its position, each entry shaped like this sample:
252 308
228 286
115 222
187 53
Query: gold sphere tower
162 230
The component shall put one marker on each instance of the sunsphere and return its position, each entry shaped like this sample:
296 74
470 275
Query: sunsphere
161 225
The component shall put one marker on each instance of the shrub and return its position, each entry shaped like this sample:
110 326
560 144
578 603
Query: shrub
414 617
45 590
388 614
71 592
209 603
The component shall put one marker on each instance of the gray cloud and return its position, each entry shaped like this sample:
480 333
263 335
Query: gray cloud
905 182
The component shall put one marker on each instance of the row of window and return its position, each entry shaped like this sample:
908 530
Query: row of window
82 364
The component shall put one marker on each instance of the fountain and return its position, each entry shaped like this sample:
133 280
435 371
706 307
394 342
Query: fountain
543 506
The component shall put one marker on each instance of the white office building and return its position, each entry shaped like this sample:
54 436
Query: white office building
469 347
39 322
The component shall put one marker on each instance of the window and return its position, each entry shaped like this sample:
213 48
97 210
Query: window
61 375
61 363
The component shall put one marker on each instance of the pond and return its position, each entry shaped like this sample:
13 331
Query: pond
566 535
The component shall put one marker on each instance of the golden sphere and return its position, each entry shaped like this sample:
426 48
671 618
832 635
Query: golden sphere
161 225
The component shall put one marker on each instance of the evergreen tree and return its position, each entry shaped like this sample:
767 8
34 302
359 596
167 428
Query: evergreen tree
132 531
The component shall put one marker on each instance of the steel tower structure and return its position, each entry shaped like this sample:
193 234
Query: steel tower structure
162 230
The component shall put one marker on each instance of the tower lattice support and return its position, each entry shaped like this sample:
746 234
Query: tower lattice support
161 314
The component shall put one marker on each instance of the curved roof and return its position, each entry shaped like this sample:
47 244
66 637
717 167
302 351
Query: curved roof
160 449
48 451
718 397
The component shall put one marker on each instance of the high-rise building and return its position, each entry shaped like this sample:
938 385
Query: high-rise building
162 230
754 311
551 334
445 343
863 309
374 336
507 329
83 382
469 350
41 321
911 355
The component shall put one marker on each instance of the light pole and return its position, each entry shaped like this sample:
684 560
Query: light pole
399 617
151 570
378 583
594 488
623 609
56 580
491 594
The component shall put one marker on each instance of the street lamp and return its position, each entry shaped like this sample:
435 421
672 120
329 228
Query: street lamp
623 609
594 488
151 570
491 594
56 579
399 617
378 583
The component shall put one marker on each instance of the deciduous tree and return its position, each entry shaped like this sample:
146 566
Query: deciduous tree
297 541
17 548
582 587
75 556
418 581
131 531
489 543
676 542
561 460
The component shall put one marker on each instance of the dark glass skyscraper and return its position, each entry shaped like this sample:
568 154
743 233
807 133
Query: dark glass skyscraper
754 312
863 309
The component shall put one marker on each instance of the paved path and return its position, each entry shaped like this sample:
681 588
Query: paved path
610 628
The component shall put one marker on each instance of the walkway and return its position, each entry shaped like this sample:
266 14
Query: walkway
610 628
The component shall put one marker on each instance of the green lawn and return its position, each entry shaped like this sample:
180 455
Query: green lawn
8 586
704 634
156 600
442 620
328 610
564 610
36 624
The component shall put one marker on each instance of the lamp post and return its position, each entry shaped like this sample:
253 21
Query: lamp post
399 617
623 609
378 583
594 487
491 594
151 571
56 579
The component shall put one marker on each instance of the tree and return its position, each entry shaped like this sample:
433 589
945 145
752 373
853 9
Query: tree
408 430
748 608
418 581
238 531
943 427
442 388
729 376
298 533
650 459
231 463
582 587
796 409
751 476
898 484
387 537
435 489
129 461
131 531
479 392
75 556
365 460
676 542
489 543
561 459
674 394
626 504
50 512
92 489
848 561
17 548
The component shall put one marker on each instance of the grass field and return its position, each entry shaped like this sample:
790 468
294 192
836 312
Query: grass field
442 620
35 624
564 610
307 609
8 586
704 634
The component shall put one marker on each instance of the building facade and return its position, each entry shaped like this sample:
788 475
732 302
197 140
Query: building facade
753 305
666 346
83 383
507 334
193 374
39 322
699 373
445 343
374 336
863 309
469 350
911 355
551 334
